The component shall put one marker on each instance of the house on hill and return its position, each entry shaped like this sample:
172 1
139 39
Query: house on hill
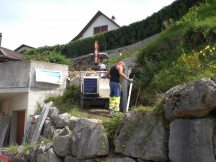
98 24
23 47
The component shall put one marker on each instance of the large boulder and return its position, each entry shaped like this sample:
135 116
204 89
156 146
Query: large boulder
61 132
142 136
61 120
49 128
89 139
191 140
191 100
49 156
62 145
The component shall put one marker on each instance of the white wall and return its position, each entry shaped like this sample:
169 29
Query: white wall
19 76
100 21
21 91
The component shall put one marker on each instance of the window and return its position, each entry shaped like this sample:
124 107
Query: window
100 29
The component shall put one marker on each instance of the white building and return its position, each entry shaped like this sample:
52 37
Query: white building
23 84
98 24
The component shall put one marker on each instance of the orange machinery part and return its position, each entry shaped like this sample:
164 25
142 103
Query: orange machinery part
96 52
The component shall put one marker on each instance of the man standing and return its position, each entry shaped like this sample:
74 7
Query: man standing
114 75
101 65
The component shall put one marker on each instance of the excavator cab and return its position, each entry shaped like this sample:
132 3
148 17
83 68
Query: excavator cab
103 61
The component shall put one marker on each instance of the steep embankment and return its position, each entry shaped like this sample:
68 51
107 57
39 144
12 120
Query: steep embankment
183 53
83 62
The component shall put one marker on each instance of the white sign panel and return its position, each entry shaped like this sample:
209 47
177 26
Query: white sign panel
48 76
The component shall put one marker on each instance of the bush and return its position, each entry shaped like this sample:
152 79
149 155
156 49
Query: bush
48 56
72 94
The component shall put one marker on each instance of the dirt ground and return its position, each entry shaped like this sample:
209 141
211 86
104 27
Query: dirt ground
95 113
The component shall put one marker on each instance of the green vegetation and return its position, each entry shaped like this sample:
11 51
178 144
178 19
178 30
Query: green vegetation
27 147
47 56
183 53
45 140
39 108
111 127
71 95
13 148
157 109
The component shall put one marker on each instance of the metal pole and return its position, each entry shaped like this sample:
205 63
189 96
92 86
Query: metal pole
124 92
129 96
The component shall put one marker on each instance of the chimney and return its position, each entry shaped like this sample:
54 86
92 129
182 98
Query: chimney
113 18
0 39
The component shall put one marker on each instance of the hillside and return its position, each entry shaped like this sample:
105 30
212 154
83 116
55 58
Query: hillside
183 53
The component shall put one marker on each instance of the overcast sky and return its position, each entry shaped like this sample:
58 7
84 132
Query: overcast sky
38 23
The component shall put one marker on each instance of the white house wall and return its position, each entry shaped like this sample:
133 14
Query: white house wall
100 21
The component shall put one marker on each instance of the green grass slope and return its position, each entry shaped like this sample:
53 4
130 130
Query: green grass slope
183 53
